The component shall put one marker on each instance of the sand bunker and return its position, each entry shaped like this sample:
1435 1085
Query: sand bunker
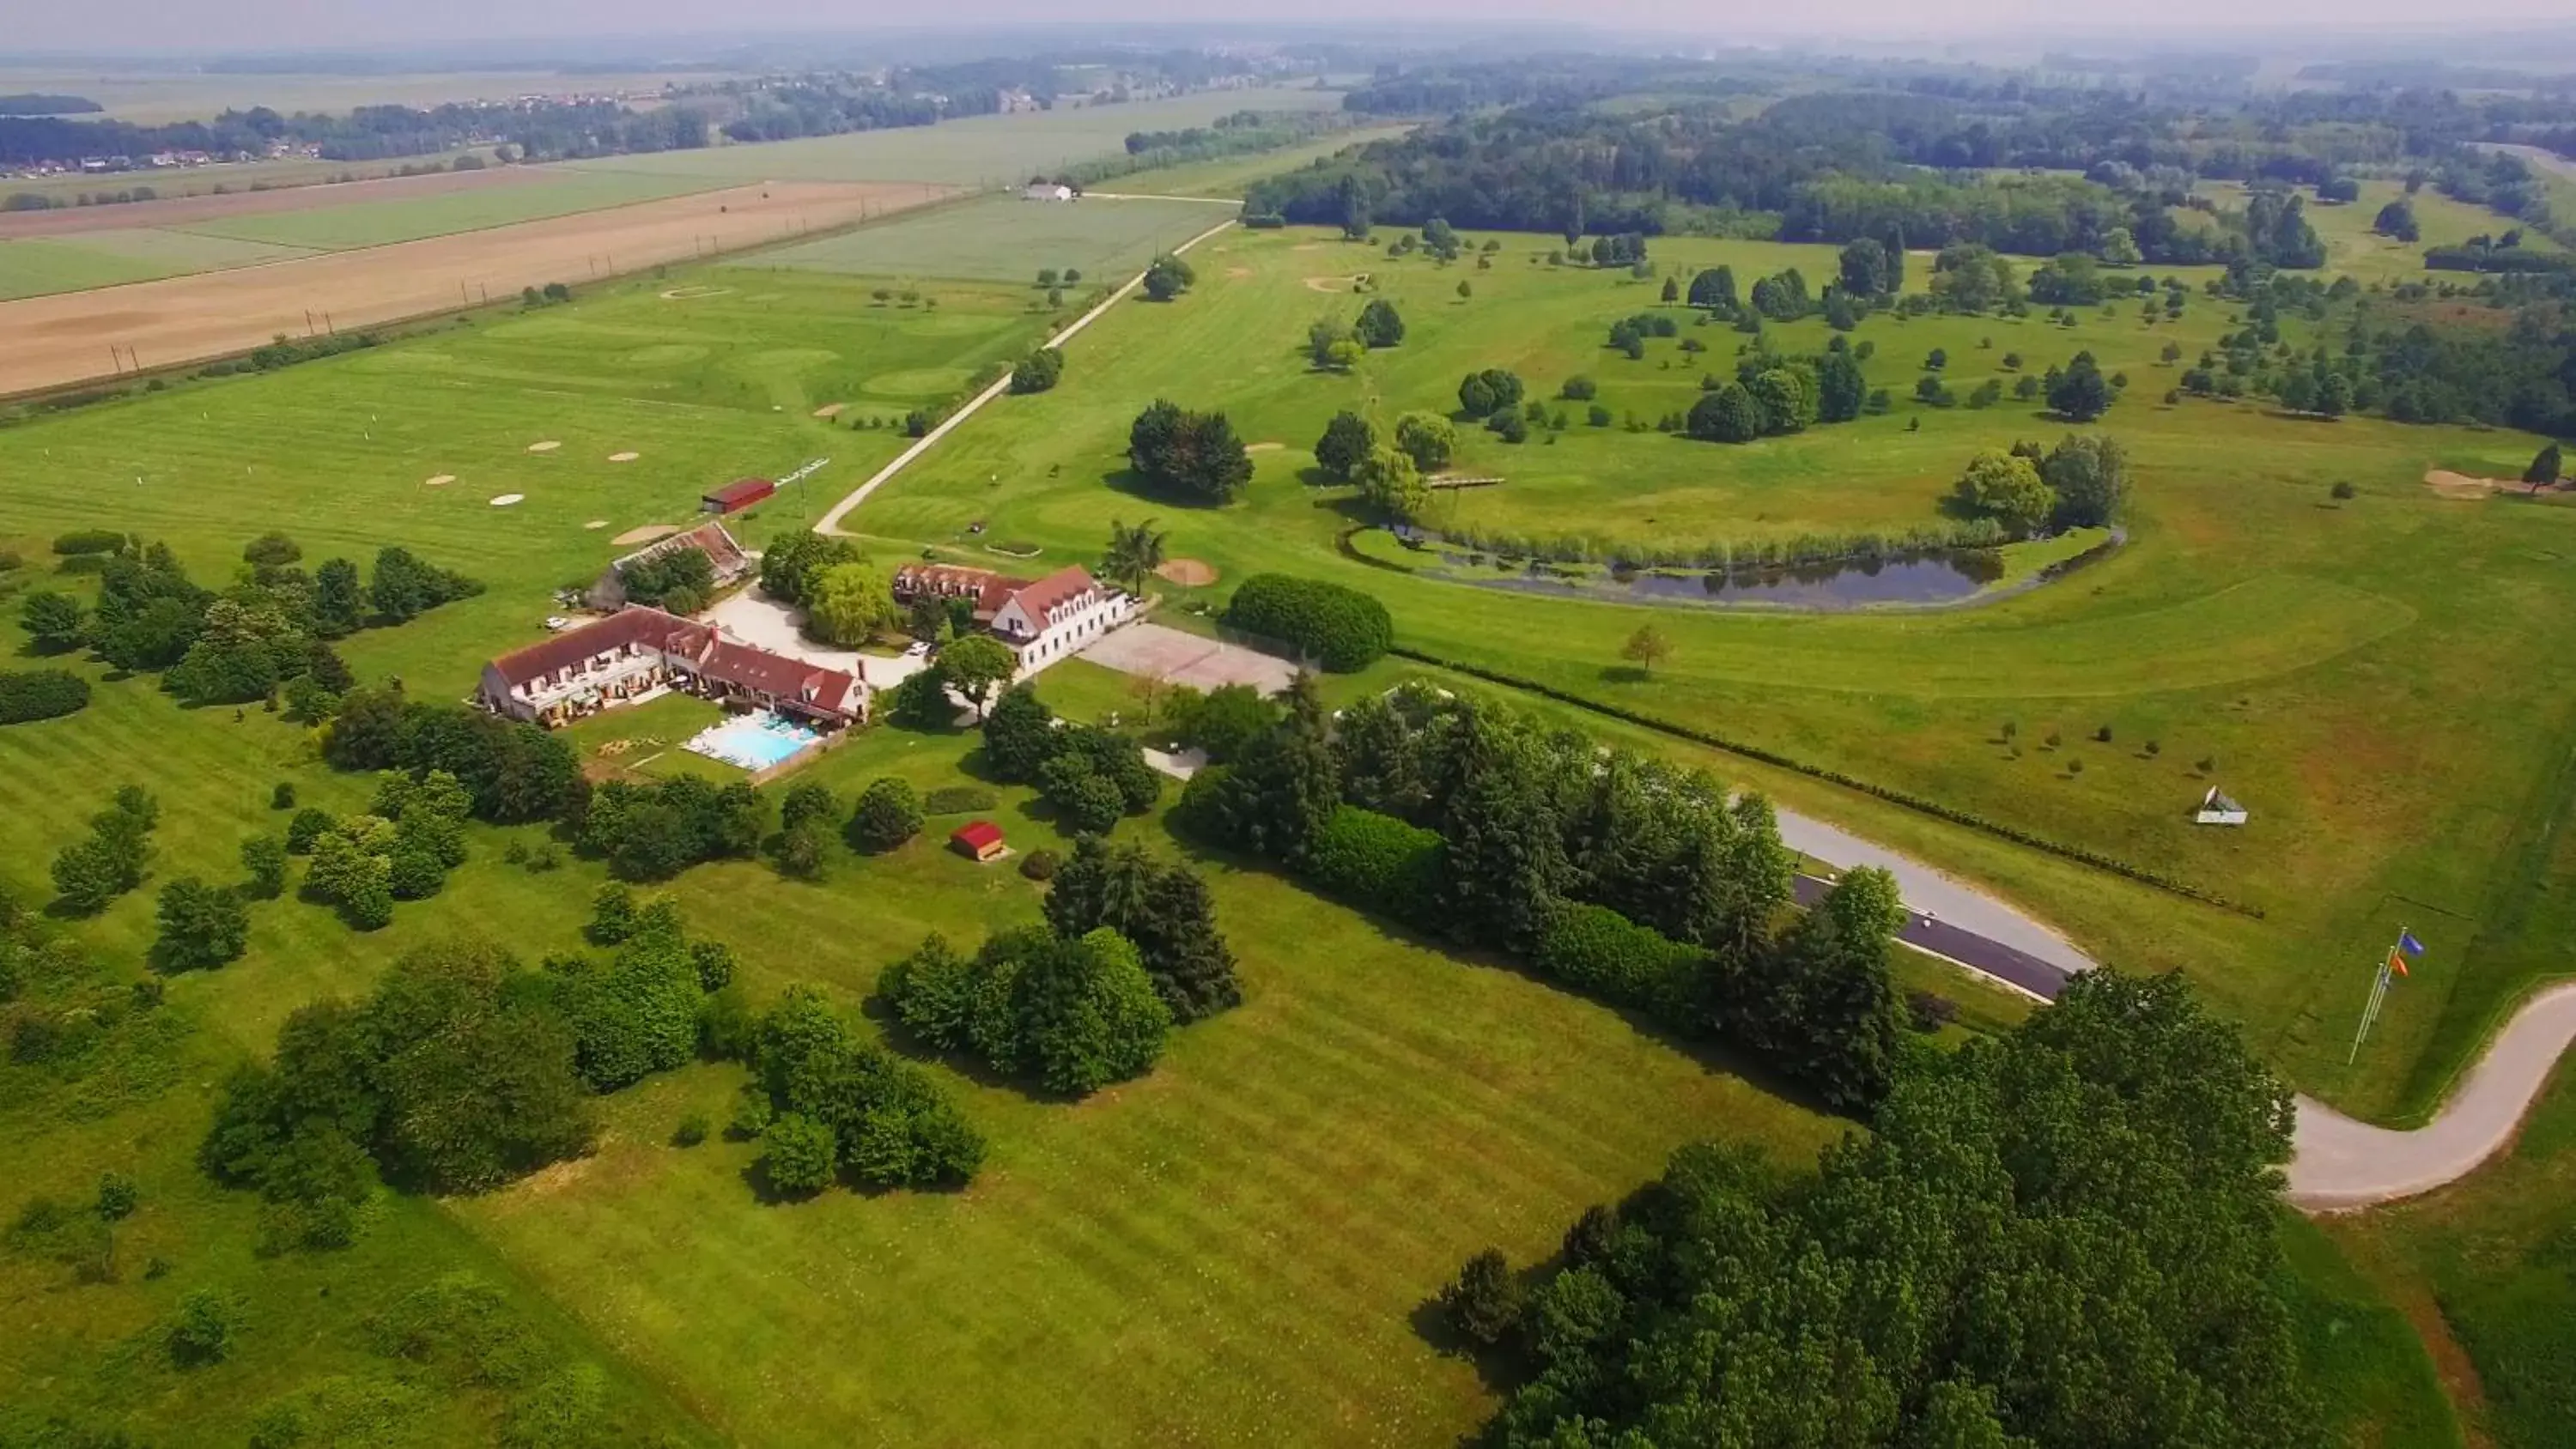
624 457
1187 572
440 481
1330 284
1238 271
596 523
646 534
548 446
830 410
683 294
1264 447
2461 485
507 499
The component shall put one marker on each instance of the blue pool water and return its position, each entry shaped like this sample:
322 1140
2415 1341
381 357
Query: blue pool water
753 741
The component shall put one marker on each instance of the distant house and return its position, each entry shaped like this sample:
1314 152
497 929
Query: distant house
1046 191
978 840
639 652
737 495
1042 621
2217 809
724 555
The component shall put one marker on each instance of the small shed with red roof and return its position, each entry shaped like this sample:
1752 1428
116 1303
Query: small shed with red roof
737 495
978 840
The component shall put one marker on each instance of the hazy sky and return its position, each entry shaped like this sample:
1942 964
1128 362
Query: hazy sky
289 25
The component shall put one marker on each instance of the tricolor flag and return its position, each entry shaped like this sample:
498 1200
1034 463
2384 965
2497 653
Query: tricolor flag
2407 946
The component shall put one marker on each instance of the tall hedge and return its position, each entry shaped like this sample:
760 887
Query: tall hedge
33 694
1342 628
1379 862
1602 953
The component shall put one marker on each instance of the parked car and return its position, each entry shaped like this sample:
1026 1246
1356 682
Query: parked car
917 649
556 623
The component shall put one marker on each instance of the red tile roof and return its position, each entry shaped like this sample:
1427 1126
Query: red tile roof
710 538
976 834
1037 598
637 625
776 675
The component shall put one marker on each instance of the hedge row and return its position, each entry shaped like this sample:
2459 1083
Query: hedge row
1917 803
1608 957
35 694
1339 627
1379 863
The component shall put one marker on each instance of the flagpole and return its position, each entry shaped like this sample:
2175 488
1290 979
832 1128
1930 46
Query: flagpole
2378 994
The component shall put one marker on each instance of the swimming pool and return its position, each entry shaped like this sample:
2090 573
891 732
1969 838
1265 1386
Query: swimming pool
753 741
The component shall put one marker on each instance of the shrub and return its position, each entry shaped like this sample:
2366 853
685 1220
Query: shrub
282 797
34 694
887 815
801 1154
88 540
691 1131
117 1196
1341 628
1378 862
1039 864
202 1332
309 825
1605 955
1928 1011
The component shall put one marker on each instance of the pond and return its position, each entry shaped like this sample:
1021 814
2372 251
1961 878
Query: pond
1927 578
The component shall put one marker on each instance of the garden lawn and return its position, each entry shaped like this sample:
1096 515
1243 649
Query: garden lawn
2342 666
993 238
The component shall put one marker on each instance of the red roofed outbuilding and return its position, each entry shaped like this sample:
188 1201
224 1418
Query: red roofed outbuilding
977 840
737 495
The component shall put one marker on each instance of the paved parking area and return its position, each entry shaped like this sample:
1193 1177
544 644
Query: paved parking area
749 618
1158 652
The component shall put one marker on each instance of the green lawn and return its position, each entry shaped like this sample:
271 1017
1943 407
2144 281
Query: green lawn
2340 665
1229 176
562 192
976 150
991 239
2351 246
2488 1268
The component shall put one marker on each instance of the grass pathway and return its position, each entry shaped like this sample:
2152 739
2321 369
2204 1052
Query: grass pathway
830 522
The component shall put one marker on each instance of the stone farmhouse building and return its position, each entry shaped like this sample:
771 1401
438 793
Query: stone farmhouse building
1042 620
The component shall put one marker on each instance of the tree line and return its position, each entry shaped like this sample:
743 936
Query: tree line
2067 1235
1616 874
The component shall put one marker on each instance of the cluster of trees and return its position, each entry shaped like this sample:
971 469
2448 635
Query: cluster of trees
846 601
268 633
1072 1014
1389 471
1616 874
677 580
1130 948
110 860
1091 775
2083 482
824 1101
457 1074
655 830
1770 396
1338 346
410 836
2112 1161
1338 627
1040 371
1197 456
515 772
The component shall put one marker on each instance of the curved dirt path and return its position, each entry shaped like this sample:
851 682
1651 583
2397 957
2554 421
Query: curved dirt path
2339 1164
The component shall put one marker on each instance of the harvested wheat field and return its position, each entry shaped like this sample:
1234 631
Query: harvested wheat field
66 337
